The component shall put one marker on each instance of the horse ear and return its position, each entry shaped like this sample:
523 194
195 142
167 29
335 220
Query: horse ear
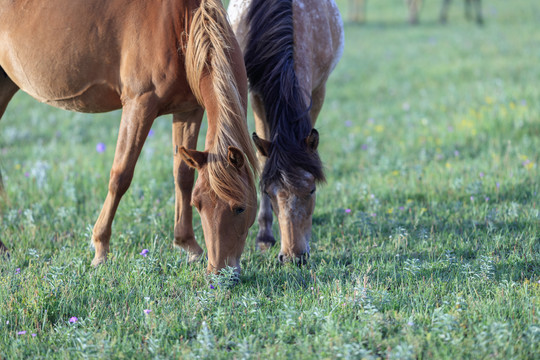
235 157
312 140
262 145
195 159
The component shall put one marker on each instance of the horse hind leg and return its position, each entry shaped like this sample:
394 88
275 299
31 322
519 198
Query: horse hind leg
444 11
7 90
478 6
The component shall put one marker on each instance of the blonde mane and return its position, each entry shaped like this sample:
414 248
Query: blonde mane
207 53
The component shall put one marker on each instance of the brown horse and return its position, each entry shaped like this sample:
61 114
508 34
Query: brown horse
149 58
290 48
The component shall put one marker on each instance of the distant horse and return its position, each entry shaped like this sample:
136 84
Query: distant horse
149 58
357 11
290 48
415 5
468 13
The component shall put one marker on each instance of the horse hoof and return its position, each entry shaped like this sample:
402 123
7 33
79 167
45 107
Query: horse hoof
264 243
194 257
98 260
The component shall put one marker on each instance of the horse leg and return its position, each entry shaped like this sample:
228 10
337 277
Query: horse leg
478 6
444 11
265 237
468 14
137 118
7 90
414 7
186 128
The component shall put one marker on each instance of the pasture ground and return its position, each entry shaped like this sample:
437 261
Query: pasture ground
430 136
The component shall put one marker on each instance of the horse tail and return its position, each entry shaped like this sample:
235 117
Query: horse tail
208 52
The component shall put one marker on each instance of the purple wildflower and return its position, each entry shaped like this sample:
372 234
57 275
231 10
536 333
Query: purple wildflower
34 335
402 208
21 332
481 174
364 147
347 210
144 252
73 319
487 198
100 147
147 311
212 287
17 270
348 123
472 198
498 185
26 174
456 153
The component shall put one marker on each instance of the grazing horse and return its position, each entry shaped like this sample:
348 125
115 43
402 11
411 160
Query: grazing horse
290 48
149 58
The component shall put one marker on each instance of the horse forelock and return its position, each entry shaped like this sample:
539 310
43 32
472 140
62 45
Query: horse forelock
208 50
269 58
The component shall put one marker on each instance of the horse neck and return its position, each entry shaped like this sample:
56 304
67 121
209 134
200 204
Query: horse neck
221 88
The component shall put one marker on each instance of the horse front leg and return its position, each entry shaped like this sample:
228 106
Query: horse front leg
186 128
265 237
137 117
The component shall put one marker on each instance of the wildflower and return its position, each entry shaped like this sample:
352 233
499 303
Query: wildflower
402 208
373 214
17 270
472 198
481 174
73 319
26 174
144 252
347 210
34 335
498 185
456 153
487 198
147 311
21 332
212 287
364 147
348 123
410 323
100 147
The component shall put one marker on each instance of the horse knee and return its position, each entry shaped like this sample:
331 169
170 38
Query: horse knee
119 182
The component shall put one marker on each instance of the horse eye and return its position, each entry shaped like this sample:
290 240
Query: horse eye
239 210
312 192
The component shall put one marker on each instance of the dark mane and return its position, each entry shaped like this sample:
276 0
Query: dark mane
269 59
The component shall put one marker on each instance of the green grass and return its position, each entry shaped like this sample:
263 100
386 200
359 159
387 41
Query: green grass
429 134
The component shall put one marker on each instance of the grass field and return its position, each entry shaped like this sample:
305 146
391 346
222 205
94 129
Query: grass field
426 237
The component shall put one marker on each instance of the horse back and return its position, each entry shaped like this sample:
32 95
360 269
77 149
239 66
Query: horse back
92 55
318 39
